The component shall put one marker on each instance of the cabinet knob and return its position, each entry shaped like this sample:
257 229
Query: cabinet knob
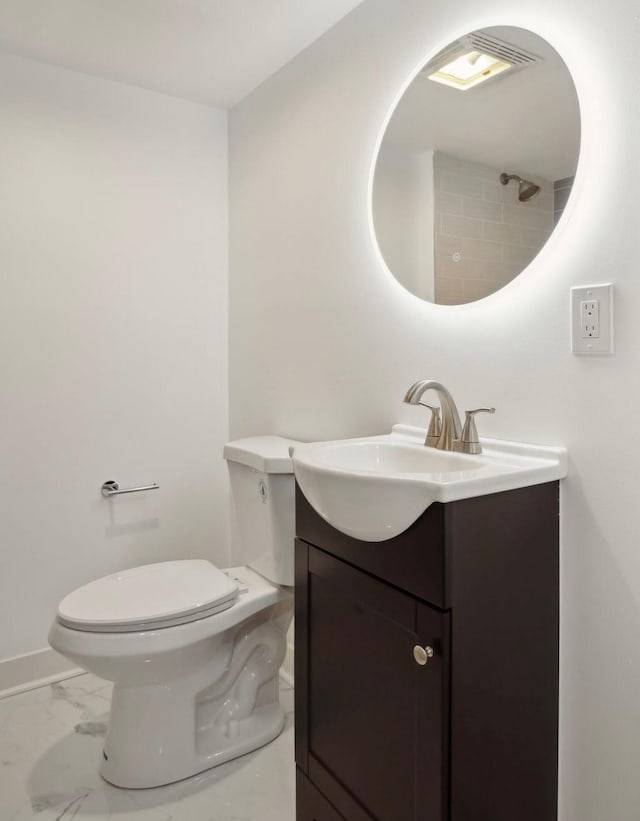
422 654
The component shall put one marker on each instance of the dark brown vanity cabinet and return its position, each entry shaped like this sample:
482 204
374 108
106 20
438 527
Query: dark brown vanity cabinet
427 665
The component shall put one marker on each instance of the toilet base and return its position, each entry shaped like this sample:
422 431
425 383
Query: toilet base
264 725
224 708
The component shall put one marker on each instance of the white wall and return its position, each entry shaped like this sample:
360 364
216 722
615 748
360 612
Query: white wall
113 335
324 344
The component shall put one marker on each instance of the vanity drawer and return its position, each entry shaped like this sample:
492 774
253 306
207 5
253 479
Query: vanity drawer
413 561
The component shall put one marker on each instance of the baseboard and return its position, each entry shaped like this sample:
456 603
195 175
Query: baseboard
22 673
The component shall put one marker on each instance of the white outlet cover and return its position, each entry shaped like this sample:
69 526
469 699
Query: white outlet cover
603 344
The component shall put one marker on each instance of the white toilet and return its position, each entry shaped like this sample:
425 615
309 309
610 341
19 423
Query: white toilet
194 651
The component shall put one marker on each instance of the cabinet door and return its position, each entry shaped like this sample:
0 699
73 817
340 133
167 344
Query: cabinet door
311 804
376 719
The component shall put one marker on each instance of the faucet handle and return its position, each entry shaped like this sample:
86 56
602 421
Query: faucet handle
435 425
469 440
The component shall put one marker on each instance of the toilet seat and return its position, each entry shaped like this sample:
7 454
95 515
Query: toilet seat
149 597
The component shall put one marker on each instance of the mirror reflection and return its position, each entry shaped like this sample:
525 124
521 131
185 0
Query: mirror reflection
476 165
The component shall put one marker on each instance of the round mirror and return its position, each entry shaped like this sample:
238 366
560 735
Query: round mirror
476 165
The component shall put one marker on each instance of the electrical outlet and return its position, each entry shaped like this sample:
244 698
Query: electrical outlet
592 319
589 318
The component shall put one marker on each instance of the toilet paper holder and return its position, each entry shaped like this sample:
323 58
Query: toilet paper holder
112 488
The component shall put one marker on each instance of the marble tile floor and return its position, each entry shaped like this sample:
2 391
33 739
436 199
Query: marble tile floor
50 747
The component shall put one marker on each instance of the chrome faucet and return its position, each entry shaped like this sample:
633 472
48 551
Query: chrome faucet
448 433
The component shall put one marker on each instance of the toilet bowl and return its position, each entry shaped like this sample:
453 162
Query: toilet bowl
194 651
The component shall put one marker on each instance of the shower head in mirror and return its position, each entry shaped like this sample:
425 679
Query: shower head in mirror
526 190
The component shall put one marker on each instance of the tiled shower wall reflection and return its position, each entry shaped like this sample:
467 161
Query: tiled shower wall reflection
484 236
561 191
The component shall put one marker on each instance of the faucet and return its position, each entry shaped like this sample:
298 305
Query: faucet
451 430
448 434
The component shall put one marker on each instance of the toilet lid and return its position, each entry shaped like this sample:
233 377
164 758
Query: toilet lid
154 595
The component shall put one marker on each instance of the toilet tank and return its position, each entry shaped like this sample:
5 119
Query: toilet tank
262 494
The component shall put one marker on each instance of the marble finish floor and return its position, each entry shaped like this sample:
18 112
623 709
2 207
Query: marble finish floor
50 747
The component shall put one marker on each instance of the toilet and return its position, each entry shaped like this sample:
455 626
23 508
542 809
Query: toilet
194 651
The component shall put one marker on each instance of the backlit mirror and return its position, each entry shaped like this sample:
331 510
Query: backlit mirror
476 165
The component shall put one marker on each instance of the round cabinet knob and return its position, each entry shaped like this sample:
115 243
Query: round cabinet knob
422 654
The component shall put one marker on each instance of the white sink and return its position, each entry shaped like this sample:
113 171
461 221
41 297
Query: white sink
374 488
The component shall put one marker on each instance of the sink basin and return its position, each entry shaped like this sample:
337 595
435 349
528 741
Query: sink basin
374 488
382 456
